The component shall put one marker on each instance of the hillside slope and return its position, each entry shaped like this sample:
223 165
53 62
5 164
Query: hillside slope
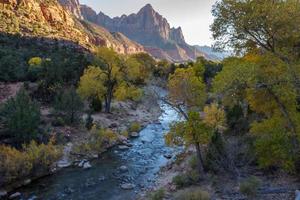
49 19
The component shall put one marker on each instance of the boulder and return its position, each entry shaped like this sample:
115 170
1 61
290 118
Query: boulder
123 168
123 147
134 134
3 193
127 186
15 195
27 182
86 165
63 164
168 156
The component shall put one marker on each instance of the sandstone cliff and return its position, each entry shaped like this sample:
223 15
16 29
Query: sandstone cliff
49 19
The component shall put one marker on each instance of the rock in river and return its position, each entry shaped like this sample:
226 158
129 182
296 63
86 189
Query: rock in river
134 134
123 147
3 193
123 168
86 165
127 186
15 195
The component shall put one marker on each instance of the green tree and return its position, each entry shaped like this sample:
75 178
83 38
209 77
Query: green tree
69 104
22 117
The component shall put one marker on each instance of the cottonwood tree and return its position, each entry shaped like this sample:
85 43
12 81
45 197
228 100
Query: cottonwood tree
187 96
110 76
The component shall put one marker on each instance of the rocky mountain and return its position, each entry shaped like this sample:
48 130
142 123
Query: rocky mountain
60 22
148 28
212 54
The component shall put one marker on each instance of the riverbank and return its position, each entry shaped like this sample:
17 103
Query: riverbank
144 112
117 173
224 185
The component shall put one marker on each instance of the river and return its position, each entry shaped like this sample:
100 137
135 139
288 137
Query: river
143 160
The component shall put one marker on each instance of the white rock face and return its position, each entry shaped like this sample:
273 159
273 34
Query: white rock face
87 165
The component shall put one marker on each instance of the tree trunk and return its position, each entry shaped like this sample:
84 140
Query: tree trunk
199 158
108 99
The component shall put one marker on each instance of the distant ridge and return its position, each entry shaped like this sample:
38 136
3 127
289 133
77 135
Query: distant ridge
150 29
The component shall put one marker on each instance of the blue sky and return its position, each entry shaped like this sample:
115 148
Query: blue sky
194 16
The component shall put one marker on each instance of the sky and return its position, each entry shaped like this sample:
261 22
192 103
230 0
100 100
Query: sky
194 16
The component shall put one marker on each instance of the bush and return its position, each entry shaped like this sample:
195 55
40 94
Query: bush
98 140
194 176
69 105
96 105
193 162
135 127
192 194
250 186
22 117
181 181
89 121
58 121
34 159
158 195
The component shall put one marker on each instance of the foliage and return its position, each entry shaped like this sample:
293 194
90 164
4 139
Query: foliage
22 117
98 140
186 88
158 194
112 76
214 117
263 83
91 83
189 132
181 180
69 105
89 121
135 127
192 194
33 159
96 105
250 186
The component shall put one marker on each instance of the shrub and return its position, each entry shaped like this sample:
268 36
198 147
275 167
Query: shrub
98 140
181 181
69 105
89 121
96 105
125 134
158 195
193 162
135 127
250 186
192 194
22 117
32 160
58 121
194 176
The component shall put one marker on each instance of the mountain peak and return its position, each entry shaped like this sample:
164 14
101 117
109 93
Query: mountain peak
148 7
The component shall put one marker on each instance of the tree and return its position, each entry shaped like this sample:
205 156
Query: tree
271 26
191 132
68 103
22 117
186 90
111 76
187 96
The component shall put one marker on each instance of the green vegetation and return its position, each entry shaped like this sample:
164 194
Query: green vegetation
34 159
250 186
158 194
135 127
192 194
68 104
21 117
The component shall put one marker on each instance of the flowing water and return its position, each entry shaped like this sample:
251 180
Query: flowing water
103 180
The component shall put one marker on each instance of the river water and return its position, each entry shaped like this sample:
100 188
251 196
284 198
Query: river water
143 160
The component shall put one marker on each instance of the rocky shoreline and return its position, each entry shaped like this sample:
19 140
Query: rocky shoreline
145 112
